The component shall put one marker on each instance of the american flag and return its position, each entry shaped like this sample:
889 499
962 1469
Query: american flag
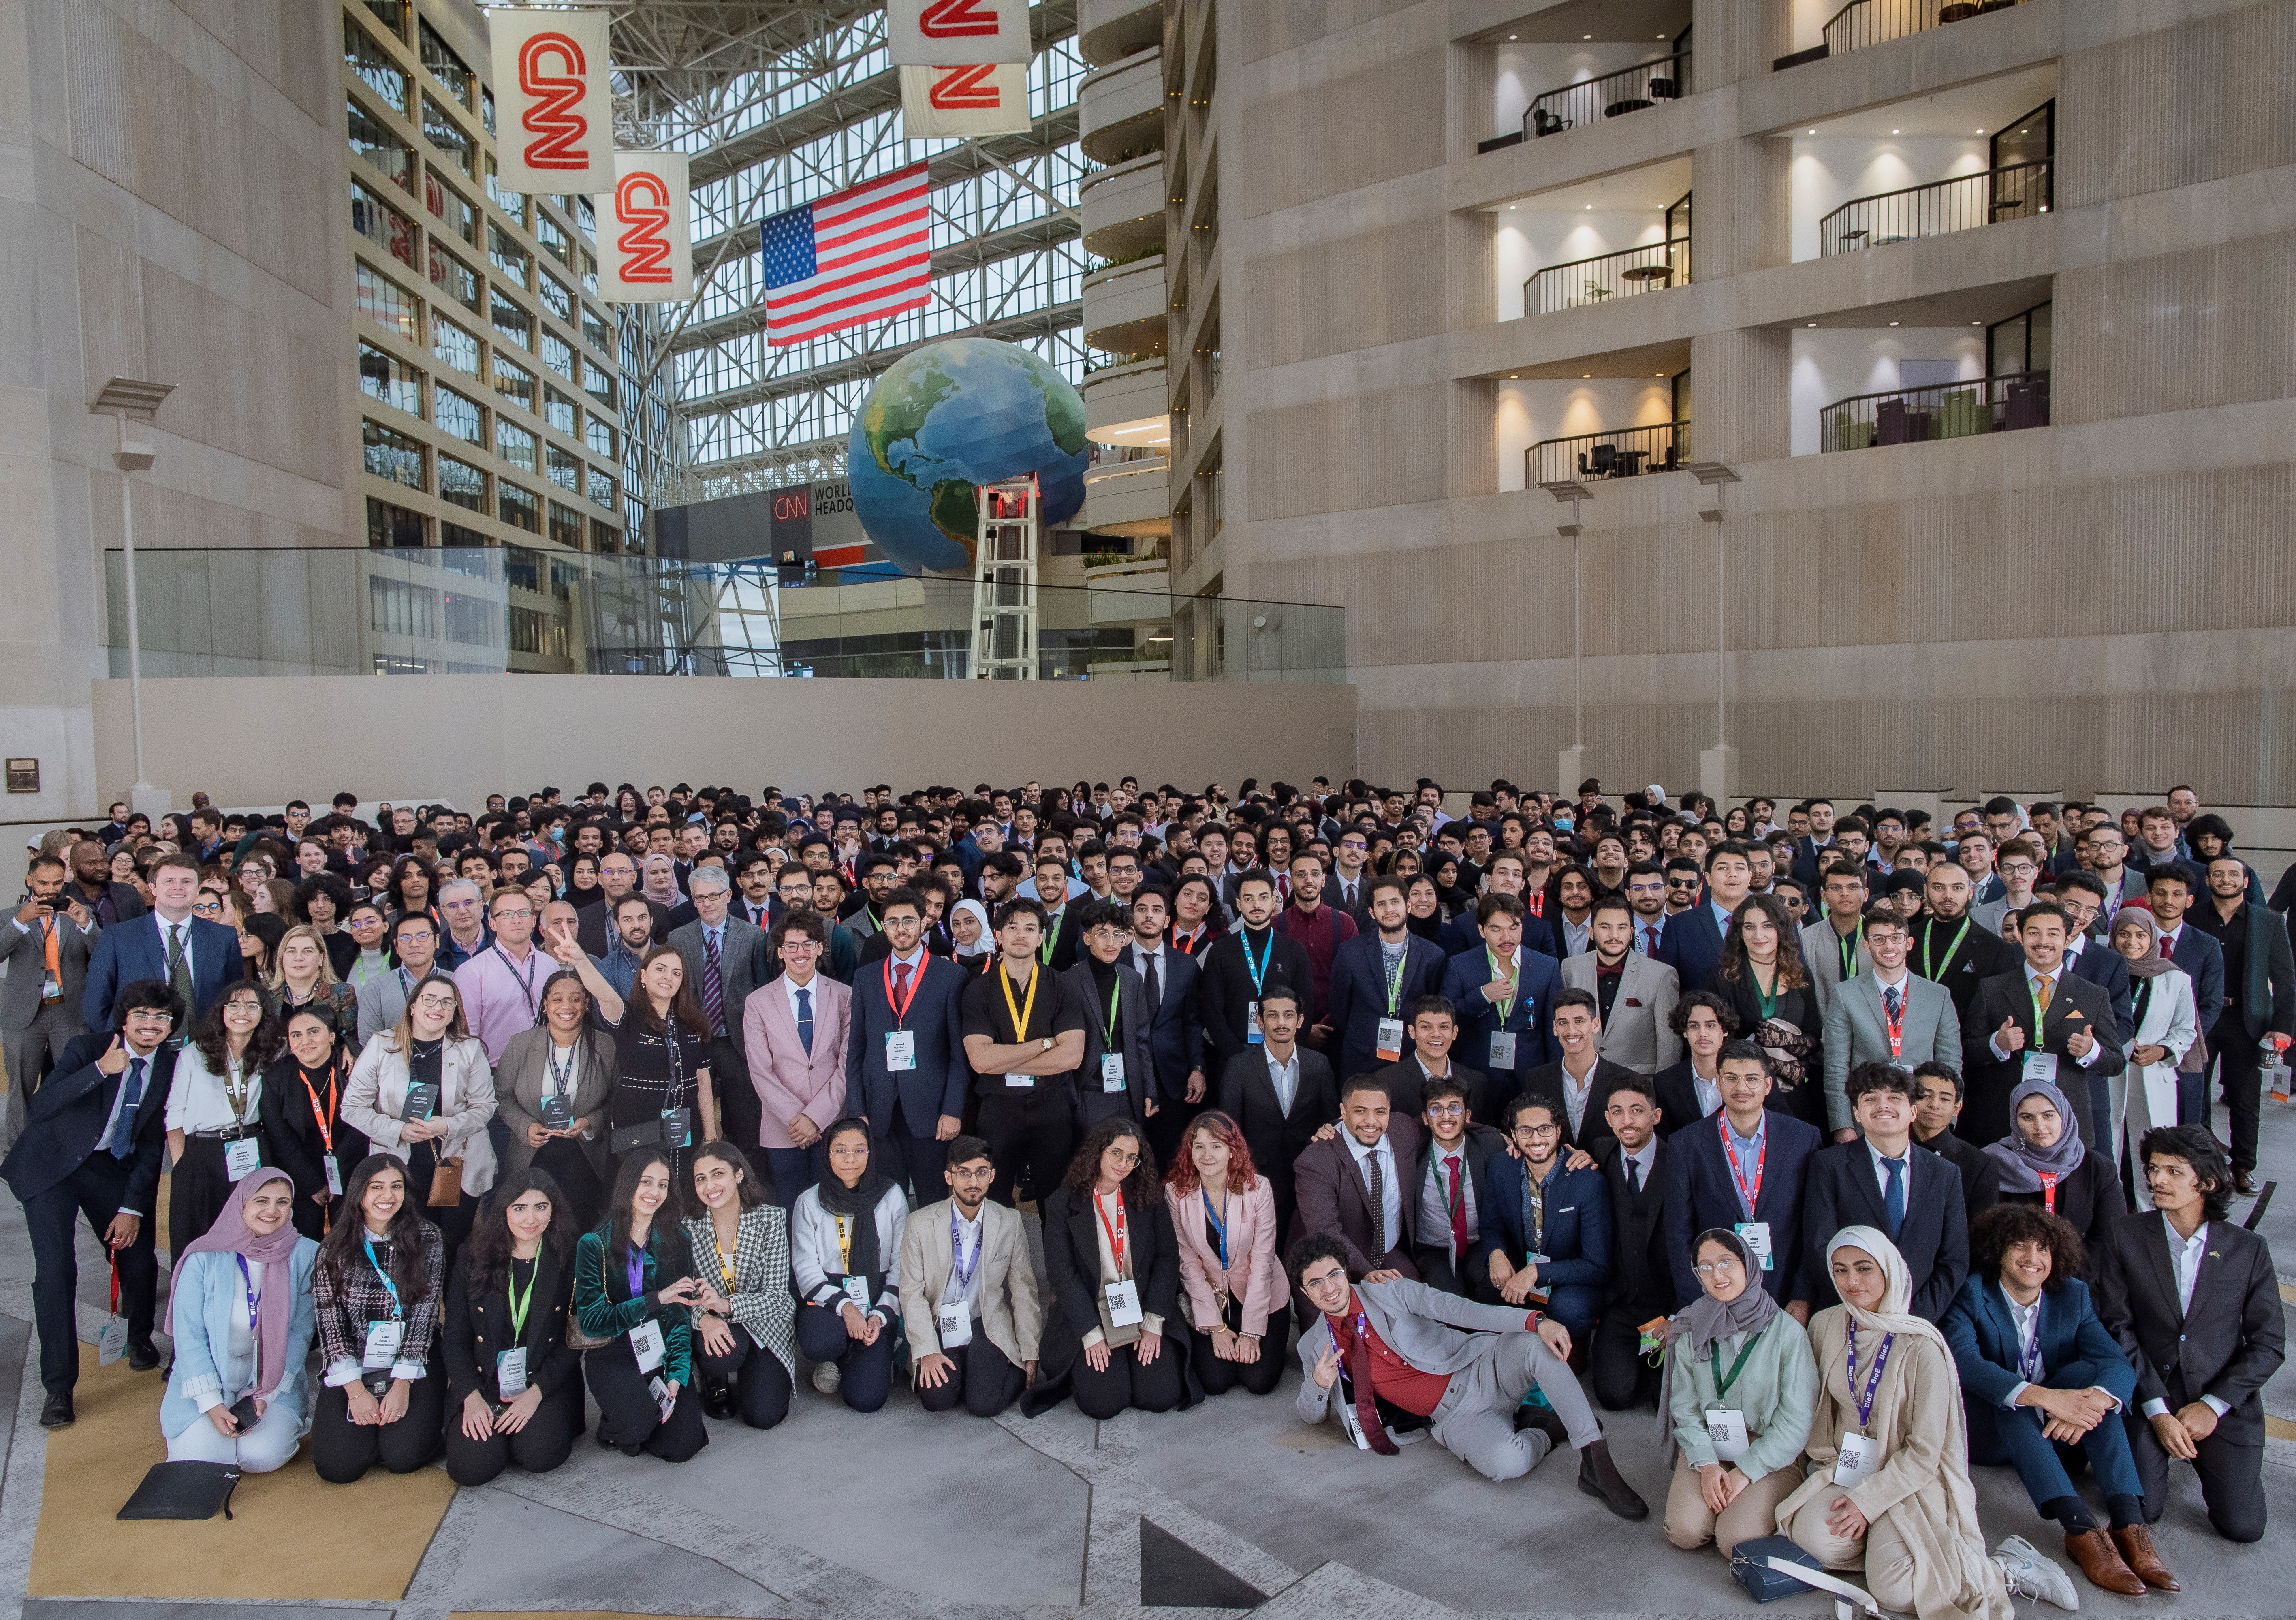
854 257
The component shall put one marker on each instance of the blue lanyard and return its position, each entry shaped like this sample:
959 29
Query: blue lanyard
247 1286
964 1273
1873 1378
397 1308
1218 1225
1259 972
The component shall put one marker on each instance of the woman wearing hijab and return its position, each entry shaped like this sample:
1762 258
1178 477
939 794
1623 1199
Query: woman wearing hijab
303 1119
658 881
970 933
1888 1488
1422 908
239 1315
845 1255
1735 1403
2165 1043
2044 1162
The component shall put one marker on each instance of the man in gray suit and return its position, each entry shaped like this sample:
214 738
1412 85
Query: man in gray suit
46 945
725 960
1833 948
1634 994
1885 1015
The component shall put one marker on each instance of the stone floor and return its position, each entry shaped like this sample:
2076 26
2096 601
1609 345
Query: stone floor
1229 1509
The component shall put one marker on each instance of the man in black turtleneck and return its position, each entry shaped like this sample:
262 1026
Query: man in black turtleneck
1948 946
1117 1075
1245 963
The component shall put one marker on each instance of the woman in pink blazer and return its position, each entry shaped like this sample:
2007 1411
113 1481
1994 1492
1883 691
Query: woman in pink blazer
1224 1215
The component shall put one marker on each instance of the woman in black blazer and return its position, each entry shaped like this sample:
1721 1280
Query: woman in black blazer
2044 1162
513 1383
1116 1337
1762 977
302 1116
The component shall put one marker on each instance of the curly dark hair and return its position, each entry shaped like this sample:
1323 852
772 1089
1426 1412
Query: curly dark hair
2002 1227
263 1041
1083 1170
321 883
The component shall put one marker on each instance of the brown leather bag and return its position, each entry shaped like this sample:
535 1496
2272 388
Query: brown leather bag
446 1183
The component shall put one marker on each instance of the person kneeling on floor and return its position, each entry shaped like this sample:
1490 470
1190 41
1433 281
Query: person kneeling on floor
237 1393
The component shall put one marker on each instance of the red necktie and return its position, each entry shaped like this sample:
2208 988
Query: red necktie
1355 1349
901 983
1459 1210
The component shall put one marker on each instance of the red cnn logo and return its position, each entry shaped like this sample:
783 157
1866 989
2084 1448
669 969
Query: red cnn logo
957 20
642 203
956 88
553 119
796 503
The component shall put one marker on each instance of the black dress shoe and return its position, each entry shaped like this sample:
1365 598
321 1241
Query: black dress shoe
2243 1183
142 1356
717 1400
56 1410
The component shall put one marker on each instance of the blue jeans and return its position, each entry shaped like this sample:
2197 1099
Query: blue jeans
2014 1438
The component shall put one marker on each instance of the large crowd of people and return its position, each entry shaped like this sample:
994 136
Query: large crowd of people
1864 1151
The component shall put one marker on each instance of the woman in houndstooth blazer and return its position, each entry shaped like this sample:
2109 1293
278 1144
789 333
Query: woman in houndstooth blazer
743 1326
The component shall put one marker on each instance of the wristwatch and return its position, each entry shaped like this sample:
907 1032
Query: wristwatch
1048 1043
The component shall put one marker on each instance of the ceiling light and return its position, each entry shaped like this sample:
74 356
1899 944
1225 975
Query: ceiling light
1590 207
1813 323
1586 373
1585 36
1813 131
1893 323
1981 132
1897 132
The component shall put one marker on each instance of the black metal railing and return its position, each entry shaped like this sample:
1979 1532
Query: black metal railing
1613 95
1872 22
1606 276
1661 447
1939 209
1948 410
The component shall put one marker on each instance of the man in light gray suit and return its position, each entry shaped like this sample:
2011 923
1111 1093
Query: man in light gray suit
1885 1015
1833 948
725 960
1638 1007
46 943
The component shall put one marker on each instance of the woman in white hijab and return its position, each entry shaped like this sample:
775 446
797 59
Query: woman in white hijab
1888 1488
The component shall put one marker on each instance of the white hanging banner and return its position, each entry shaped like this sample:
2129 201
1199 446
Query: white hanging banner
955 33
975 99
553 101
646 237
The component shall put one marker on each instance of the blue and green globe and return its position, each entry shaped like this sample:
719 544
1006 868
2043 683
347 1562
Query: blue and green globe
946 419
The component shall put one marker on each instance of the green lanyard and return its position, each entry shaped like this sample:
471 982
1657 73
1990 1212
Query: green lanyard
1115 995
1929 935
1507 1005
518 1305
1848 948
1394 979
1051 939
1721 1384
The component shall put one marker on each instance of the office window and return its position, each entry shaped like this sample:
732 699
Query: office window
441 63
398 607
463 484
598 385
532 631
510 202
376 141
558 411
389 527
522 567
601 488
387 378
557 353
391 455
375 66
521 508
383 225
565 471
511 321
391 15
566 526
458 414
450 345
600 437
471 619
450 206
385 302
513 260
456 279
514 383
553 238
453 537
555 298
585 217
596 332
604 536
513 443
589 270
565 574
440 128
487 108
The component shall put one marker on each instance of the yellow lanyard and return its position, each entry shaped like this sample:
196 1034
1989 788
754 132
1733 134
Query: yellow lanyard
845 1244
1019 1013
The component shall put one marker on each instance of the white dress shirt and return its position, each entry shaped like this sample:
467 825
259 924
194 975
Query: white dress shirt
1643 1160
200 1104
1709 1093
2185 1255
812 987
959 1289
1905 1163
1576 1092
1390 1203
1285 1077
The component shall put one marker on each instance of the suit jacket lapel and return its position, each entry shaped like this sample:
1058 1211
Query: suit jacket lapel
2164 1270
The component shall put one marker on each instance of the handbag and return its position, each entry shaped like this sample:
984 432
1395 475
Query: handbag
628 1138
1774 1567
446 1183
183 1490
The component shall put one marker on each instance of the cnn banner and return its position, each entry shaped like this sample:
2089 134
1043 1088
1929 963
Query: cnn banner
977 99
645 241
553 104
954 33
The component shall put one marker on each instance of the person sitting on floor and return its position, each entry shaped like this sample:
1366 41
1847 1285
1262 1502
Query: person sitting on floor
634 1287
376 1292
513 1383
739 1239
1224 1219
970 1309
845 1256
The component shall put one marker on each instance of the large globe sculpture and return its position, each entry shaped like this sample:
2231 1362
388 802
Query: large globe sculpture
947 418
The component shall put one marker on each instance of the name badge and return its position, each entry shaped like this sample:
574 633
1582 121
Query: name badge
1861 1459
1502 1049
382 1341
51 990
243 1155
1111 1071
1388 1046
956 1327
557 1113
334 1177
1251 1030
646 1346
1123 1303
856 1293
677 1127
1350 1422
2041 1066
664 1402
111 1340
1016 1080
1756 1234
1726 1428
900 1049
510 1373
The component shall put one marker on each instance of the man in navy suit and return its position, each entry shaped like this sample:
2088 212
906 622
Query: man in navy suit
92 1143
1504 994
2170 888
1691 945
1176 1033
904 1068
1882 1181
1563 1233
195 957
1743 1169
1374 976
1508 876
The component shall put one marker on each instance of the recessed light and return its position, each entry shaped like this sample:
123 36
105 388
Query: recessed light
1813 131
1977 323
1510 36
1981 132
1585 36
1813 323
1510 208
1590 207
1893 323
1583 374
1897 132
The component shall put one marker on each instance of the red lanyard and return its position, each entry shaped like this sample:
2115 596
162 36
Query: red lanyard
327 1118
2049 1190
1752 1195
1896 1021
1116 1233
901 1008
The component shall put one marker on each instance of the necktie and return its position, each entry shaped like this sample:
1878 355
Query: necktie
1357 1356
1893 1201
179 970
804 1020
1378 1208
1634 1177
713 986
1650 939
901 972
1890 998
1155 987
1458 1209
2048 985
123 1135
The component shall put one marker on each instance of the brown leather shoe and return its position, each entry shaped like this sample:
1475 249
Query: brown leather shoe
2136 1551
2100 1561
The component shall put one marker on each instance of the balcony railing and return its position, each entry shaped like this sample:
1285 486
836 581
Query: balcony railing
1872 22
1939 209
1630 451
1608 276
1949 410
1613 95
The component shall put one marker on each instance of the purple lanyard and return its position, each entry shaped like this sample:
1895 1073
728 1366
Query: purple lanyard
638 1274
1873 1378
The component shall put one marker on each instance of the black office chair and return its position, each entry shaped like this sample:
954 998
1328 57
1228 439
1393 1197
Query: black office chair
1606 459
1546 123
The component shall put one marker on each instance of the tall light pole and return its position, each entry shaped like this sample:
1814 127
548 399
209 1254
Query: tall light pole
133 405
1717 765
1570 763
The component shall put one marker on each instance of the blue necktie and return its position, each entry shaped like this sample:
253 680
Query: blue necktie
1893 1201
123 1133
804 1020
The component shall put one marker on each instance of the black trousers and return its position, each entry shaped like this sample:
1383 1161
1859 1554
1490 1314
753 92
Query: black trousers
1219 1377
921 1161
94 1191
1470 1280
2243 1088
1615 1366
578 1179
628 1417
342 1451
864 1371
546 1441
761 1383
454 1221
980 1377
198 1187
739 1109
1157 1387
1034 1128
2232 1479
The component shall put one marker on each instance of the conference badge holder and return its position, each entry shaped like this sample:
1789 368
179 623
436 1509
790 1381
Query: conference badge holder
381 1354
646 1346
1756 1234
955 1325
243 1155
111 1338
1112 1072
1726 1428
1123 1303
1860 1460
1351 1423
510 1373
1387 1045
1012 1080
2041 1066
900 1050
335 1174
1502 1049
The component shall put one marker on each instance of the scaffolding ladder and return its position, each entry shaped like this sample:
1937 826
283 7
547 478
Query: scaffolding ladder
1004 642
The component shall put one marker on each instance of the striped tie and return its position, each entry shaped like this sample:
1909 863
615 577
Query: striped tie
713 985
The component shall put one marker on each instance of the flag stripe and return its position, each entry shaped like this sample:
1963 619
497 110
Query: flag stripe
814 310
870 256
779 338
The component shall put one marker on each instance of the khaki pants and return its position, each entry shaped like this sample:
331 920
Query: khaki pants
1690 1524
1882 1552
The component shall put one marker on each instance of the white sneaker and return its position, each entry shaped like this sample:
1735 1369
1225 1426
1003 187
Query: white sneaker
2028 1574
826 1378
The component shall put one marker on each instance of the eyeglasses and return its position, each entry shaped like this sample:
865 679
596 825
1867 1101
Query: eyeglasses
1447 1110
1711 1268
436 1004
214 908
1325 1283
1537 1133
1682 883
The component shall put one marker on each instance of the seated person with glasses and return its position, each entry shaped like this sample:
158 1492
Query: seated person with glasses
1557 1218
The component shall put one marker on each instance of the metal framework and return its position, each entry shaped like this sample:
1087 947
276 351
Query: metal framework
1005 617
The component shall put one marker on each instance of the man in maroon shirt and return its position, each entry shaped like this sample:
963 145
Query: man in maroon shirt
1320 928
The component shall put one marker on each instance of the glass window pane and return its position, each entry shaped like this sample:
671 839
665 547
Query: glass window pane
553 238
596 332
585 217
451 346
376 142
601 488
565 470
392 455
458 414
459 281
555 298
389 525
391 15
511 321
440 129
513 260
374 65
487 114
440 61
510 202
463 484
471 619
522 567
566 526
598 385
513 443
382 224
385 302
557 410
513 382
557 353
385 377
450 205
600 437
398 607
466 540
590 270
604 536
521 508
